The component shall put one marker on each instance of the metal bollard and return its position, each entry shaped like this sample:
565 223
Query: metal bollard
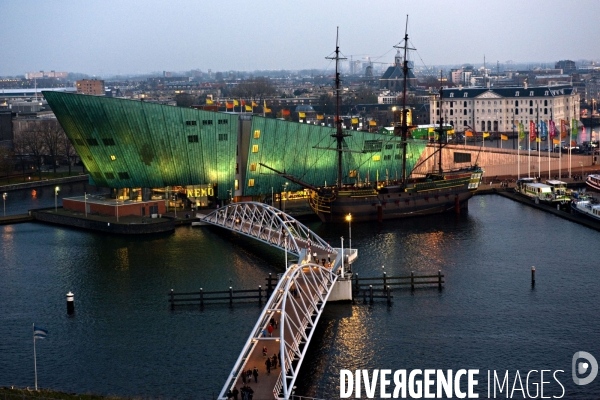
532 276
70 303
172 300
230 296
412 280
389 297
201 297
439 279
371 293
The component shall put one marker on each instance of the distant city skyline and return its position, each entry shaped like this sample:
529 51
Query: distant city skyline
107 38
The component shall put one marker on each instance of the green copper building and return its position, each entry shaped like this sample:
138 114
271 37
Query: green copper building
135 146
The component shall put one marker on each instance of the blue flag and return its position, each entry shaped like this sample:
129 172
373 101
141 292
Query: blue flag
39 333
543 130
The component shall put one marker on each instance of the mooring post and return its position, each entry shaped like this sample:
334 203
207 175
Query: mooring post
412 280
364 295
230 296
70 303
532 276
172 300
371 293
201 297
384 280
259 295
356 281
389 297
439 279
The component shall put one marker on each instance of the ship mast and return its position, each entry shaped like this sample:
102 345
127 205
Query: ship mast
404 128
339 133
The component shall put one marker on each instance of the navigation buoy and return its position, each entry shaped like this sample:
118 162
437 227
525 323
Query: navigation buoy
70 303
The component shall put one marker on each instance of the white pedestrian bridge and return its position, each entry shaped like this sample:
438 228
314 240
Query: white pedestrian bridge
297 301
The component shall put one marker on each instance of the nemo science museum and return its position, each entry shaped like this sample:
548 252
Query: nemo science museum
198 158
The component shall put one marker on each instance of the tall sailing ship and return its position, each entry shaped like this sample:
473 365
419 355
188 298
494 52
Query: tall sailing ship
436 192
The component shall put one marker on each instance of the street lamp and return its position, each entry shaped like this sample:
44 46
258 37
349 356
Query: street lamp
580 163
349 219
4 196
56 190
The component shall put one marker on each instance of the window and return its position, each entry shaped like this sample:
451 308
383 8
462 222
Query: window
257 134
253 167
466 95
389 146
79 142
92 142
109 175
516 103
531 111
250 182
451 112
222 122
255 148
517 95
191 123
465 112
516 111
207 122
530 103
531 93
113 158
545 102
398 156
193 139
451 104
108 142
452 94
465 103
545 111
387 157
398 146
376 158
123 175
222 137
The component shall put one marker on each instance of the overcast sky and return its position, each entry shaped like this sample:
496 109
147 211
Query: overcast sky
102 37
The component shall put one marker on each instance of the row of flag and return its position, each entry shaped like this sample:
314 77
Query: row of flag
544 129
284 112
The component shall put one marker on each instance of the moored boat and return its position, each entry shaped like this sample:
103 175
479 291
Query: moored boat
593 182
537 192
587 206
410 195
560 193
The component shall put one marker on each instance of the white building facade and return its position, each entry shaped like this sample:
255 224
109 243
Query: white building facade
497 109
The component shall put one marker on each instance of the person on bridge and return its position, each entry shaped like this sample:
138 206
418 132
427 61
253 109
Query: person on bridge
268 364
265 350
273 322
255 373
274 361
270 329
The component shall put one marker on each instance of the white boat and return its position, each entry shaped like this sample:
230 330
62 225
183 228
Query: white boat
593 181
537 192
560 192
587 206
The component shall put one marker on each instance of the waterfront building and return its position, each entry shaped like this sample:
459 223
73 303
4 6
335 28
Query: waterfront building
494 109
210 157
90 86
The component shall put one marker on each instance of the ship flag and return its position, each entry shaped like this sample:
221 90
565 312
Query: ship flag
486 134
532 134
301 115
503 137
248 108
574 127
372 123
563 129
552 129
320 116
469 133
354 121
521 131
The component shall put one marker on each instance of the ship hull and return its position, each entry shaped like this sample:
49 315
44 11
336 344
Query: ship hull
396 205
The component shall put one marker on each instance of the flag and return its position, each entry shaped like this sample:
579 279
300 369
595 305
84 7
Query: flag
469 133
543 130
285 112
503 137
573 143
556 141
248 108
228 105
532 134
39 333
354 121
254 104
236 103
243 102
301 115
372 123
486 134
521 131
538 140
320 116
563 129
209 101
552 129
574 127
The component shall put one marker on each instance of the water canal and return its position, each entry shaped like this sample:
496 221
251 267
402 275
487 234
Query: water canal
124 340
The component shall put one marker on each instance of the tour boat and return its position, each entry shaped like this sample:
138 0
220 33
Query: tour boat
587 206
593 181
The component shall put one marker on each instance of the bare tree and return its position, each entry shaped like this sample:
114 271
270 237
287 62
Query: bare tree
67 150
6 162
20 149
51 136
35 147
255 89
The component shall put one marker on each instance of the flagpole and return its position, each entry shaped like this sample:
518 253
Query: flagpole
570 145
538 140
529 155
34 357
518 151
549 140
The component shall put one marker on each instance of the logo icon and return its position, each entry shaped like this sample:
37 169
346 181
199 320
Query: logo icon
583 367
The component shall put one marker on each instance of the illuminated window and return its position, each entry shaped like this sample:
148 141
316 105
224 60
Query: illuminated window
113 158
253 167
255 148
250 182
237 185
376 158
257 134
